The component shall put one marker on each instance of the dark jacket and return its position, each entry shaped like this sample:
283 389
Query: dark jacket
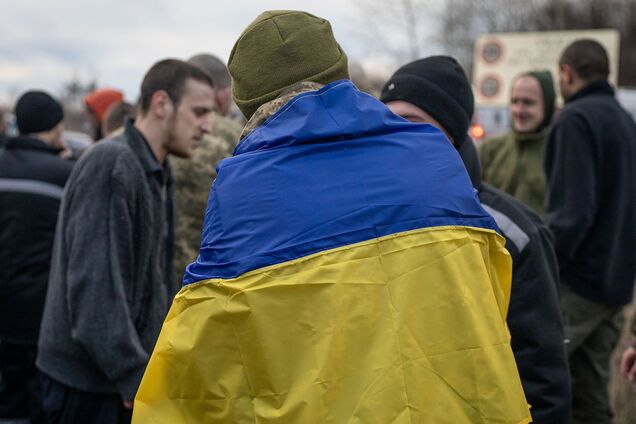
32 178
591 202
111 279
534 317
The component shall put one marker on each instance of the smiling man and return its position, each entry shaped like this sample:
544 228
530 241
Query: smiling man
111 279
514 162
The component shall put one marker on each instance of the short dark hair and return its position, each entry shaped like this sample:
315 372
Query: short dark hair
169 75
215 68
116 115
588 58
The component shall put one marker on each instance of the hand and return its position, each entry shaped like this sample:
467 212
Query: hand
128 404
66 153
628 364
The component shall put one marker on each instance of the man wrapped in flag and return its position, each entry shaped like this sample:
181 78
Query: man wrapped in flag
347 272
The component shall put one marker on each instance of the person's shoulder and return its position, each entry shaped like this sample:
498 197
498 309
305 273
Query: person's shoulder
64 166
226 128
106 159
576 111
53 162
517 221
586 104
493 143
497 139
108 150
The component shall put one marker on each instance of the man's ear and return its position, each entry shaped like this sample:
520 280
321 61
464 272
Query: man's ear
568 73
222 98
161 105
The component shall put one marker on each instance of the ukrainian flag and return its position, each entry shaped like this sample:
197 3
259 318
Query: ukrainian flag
347 274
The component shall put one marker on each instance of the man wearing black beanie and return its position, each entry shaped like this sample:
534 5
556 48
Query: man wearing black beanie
437 86
436 91
32 179
37 112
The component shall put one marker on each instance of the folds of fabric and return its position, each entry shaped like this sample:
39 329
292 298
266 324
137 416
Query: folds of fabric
341 278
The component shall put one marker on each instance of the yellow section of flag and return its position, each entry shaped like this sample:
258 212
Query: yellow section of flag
407 328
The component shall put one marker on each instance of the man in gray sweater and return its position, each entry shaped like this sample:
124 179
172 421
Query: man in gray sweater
111 280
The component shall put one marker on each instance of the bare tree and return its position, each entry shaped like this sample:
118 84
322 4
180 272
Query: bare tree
596 14
397 28
462 21
72 97
409 29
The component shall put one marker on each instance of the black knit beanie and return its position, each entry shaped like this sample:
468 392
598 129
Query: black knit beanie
438 86
36 112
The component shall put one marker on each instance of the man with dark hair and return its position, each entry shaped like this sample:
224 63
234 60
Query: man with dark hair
192 178
591 210
111 276
116 117
331 284
417 92
32 178
587 58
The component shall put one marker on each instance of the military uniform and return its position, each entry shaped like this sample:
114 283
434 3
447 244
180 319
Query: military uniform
263 113
193 179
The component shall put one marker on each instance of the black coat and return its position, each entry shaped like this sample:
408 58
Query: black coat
534 317
590 164
32 178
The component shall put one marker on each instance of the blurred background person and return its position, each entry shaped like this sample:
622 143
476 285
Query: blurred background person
32 179
97 103
513 162
111 277
116 117
591 210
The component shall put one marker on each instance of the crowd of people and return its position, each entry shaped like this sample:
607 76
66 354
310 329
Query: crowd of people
329 256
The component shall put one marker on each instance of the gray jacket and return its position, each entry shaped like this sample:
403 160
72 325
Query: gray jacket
111 280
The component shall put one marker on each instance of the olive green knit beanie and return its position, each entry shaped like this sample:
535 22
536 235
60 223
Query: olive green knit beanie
279 49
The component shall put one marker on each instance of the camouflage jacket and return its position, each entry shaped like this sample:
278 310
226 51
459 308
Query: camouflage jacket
268 109
192 181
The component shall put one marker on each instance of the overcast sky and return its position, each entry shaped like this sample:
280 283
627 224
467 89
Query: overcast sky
46 43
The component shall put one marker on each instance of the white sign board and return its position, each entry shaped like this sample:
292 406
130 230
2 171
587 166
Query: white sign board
500 57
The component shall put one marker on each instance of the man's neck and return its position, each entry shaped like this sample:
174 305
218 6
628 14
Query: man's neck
44 137
155 137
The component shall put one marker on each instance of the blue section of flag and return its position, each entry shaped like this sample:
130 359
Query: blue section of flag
331 168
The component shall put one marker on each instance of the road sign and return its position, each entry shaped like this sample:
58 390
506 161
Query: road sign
499 57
